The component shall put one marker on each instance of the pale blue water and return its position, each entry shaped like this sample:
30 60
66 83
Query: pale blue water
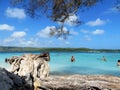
85 63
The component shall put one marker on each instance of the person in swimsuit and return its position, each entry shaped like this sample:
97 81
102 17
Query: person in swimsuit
104 59
118 63
72 59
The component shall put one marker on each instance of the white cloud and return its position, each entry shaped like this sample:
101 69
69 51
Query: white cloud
67 42
50 31
6 27
31 42
84 31
98 31
47 43
95 32
88 32
15 36
97 22
15 13
64 29
73 32
18 39
18 34
88 38
60 38
71 20
112 10
45 33
20 42
8 40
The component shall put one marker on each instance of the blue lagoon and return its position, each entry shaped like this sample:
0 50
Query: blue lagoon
85 63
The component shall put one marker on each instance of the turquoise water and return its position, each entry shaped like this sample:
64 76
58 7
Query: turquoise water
85 63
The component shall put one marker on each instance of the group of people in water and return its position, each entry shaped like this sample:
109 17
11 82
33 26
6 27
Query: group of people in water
73 58
118 62
103 58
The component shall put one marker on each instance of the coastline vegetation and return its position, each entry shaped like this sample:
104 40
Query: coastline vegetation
35 49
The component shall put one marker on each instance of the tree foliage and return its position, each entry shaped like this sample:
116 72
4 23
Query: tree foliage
118 4
56 10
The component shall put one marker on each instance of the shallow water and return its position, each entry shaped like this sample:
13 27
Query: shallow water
85 63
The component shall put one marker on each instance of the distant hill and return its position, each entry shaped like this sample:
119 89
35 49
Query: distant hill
33 49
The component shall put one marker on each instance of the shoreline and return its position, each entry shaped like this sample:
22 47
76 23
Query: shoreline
60 74
64 74
54 49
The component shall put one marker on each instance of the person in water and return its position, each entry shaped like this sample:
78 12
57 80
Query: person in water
72 59
104 59
118 63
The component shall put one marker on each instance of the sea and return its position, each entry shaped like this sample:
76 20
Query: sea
86 63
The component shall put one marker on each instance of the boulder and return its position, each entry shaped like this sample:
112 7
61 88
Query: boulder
5 81
10 81
30 67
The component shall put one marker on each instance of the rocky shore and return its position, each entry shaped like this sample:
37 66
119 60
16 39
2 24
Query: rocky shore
31 72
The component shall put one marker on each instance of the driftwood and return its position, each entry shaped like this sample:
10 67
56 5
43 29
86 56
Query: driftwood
31 67
82 82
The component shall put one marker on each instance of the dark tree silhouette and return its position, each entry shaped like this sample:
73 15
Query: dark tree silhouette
118 4
56 10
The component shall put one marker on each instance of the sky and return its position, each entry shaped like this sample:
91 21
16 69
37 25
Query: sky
100 30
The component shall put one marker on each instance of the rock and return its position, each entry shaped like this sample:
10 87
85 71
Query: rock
31 67
9 81
5 81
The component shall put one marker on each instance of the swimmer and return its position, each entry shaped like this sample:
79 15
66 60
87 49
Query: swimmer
104 59
118 63
72 59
